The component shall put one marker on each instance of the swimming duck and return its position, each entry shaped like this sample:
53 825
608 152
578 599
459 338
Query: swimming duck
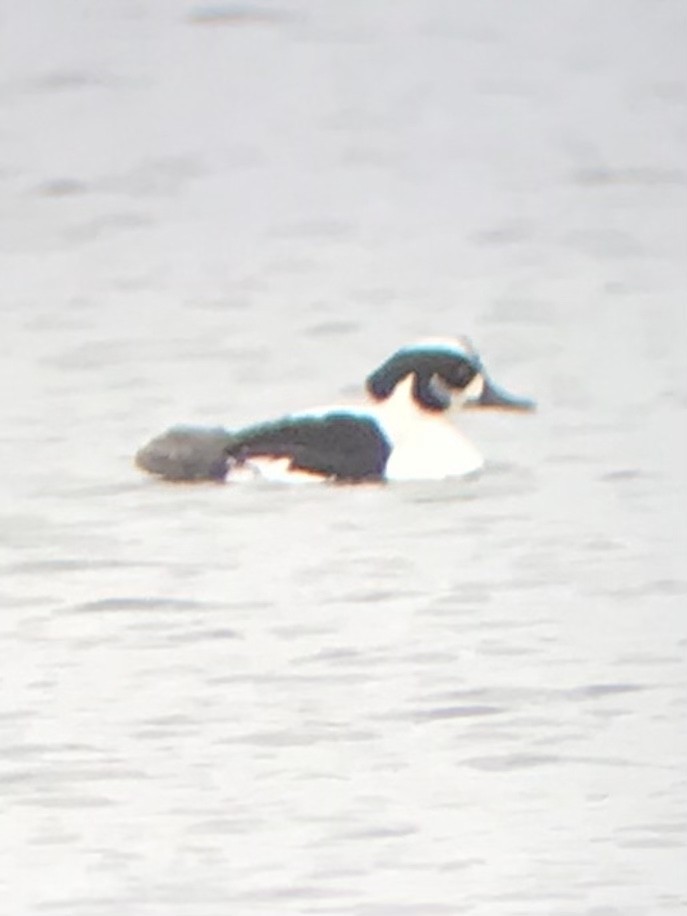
403 432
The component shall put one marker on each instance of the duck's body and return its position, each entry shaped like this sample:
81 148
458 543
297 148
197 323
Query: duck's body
403 432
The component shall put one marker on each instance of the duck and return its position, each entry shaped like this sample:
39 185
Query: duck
404 430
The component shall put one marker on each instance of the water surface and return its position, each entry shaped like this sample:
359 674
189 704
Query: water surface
466 697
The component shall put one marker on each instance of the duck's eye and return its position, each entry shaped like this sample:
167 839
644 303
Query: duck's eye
431 391
460 374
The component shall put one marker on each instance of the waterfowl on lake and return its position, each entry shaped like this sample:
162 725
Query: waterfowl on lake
404 431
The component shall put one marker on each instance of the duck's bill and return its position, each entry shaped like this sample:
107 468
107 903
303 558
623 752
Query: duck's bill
496 398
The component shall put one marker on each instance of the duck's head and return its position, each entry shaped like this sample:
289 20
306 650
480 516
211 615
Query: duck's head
441 373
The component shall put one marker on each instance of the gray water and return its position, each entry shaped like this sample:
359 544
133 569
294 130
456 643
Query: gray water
441 698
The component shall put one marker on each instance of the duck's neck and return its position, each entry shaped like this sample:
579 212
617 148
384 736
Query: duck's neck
426 444
401 410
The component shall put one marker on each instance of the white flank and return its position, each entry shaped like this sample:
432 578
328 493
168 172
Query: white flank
275 470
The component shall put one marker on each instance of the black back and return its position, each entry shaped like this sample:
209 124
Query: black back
341 446
453 368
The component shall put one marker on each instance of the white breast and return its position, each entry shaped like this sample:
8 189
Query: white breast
433 452
426 445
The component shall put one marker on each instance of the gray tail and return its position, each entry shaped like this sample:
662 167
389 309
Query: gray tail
187 453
